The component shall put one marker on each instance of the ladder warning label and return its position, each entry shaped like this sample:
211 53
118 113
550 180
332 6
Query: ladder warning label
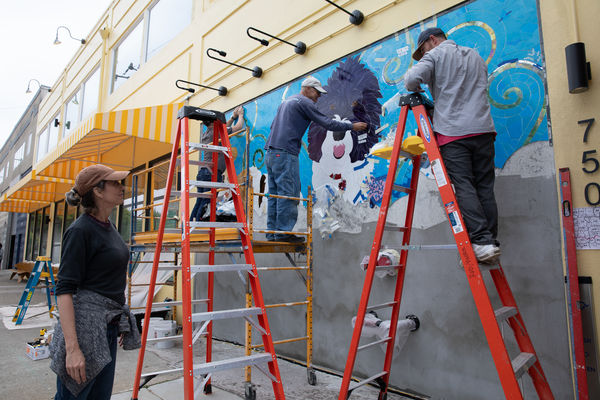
454 218
425 128
438 172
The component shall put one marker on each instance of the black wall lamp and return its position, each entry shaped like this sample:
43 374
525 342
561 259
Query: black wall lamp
56 41
356 17
299 48
38 82
579 71
222 89
256 71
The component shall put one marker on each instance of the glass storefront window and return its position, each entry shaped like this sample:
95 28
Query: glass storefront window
30 236
91 89
167 19
127 56
44 231
140 190
159 183
36 235
59 215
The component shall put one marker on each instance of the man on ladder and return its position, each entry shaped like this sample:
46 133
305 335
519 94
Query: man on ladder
457 78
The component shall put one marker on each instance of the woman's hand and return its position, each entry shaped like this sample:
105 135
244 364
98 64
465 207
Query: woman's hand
75 363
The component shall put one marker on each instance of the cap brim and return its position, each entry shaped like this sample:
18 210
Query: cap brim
117 176
320 89
418 54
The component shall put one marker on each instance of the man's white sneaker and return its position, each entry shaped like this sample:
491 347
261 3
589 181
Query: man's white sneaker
486 253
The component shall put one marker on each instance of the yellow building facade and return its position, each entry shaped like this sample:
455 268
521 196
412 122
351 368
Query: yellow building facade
116 103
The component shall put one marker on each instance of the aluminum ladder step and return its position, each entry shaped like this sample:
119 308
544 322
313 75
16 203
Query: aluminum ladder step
356 385
225 314
222 365
522 363
204 164
504 313
398 188
366 346
380 306
206 195
209 147
208 224
176 303
212 268
212 185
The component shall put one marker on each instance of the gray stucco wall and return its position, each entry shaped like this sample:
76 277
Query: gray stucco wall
448 357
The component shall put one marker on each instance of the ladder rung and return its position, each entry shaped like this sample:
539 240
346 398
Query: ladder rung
224 314
209 147
522 363
208 224
212 185
387 267
427 247
395 228
505 313
177 303
365 346
380 306
488 267
162 339
399 188
206 195
355 385
205 164
221 365
211 268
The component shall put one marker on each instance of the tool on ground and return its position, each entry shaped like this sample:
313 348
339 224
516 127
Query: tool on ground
41 269
196 378
509 370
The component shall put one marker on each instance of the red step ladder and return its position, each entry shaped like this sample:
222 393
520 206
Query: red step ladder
509 370
265 362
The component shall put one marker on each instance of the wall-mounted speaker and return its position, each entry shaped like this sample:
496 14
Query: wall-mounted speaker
578 69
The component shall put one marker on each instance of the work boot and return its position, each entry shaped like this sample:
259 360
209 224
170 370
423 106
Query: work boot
486 253
292 239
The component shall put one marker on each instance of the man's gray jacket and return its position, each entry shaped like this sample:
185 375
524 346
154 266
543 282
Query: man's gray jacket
457 79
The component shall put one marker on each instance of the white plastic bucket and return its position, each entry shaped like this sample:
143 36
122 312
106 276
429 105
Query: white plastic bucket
162 332
153 323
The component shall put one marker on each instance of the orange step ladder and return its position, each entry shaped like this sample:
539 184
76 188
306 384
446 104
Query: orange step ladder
256 316
509 370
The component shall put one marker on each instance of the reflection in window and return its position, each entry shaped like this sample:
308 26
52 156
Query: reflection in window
52 134
160 182
19 154
131 206
44 233
30 236
72 113
127 56
167 19
91 89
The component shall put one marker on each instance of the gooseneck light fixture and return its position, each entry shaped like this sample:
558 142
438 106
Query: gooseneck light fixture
39 84
56 41
221 89
299 48
256 71
356 17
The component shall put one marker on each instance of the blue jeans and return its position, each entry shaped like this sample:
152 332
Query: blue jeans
470 164
99 388
284 180
201 202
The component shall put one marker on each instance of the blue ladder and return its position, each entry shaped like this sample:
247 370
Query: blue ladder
41 269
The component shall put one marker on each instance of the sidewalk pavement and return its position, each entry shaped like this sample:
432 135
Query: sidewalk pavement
24 378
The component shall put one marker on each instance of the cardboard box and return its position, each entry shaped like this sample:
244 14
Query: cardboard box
38 352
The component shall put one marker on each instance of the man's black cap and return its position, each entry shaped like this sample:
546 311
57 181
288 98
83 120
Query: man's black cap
423 36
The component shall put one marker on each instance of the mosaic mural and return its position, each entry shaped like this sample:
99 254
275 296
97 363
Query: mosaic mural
366 86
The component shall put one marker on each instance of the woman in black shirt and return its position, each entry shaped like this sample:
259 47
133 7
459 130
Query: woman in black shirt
90 290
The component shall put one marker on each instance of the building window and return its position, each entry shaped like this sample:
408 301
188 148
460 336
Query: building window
59 214
91 90
30 236
19 155
128 56
166 20
42 148
72 113
159 25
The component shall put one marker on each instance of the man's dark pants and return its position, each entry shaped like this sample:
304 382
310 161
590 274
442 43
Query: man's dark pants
202 202
470 164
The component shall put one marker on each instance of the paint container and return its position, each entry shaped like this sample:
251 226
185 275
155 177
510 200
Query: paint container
153 322
161 332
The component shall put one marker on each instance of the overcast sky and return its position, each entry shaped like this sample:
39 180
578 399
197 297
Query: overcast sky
27 32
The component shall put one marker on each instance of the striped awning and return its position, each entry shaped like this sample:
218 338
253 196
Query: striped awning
131 136
33 192
120 139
